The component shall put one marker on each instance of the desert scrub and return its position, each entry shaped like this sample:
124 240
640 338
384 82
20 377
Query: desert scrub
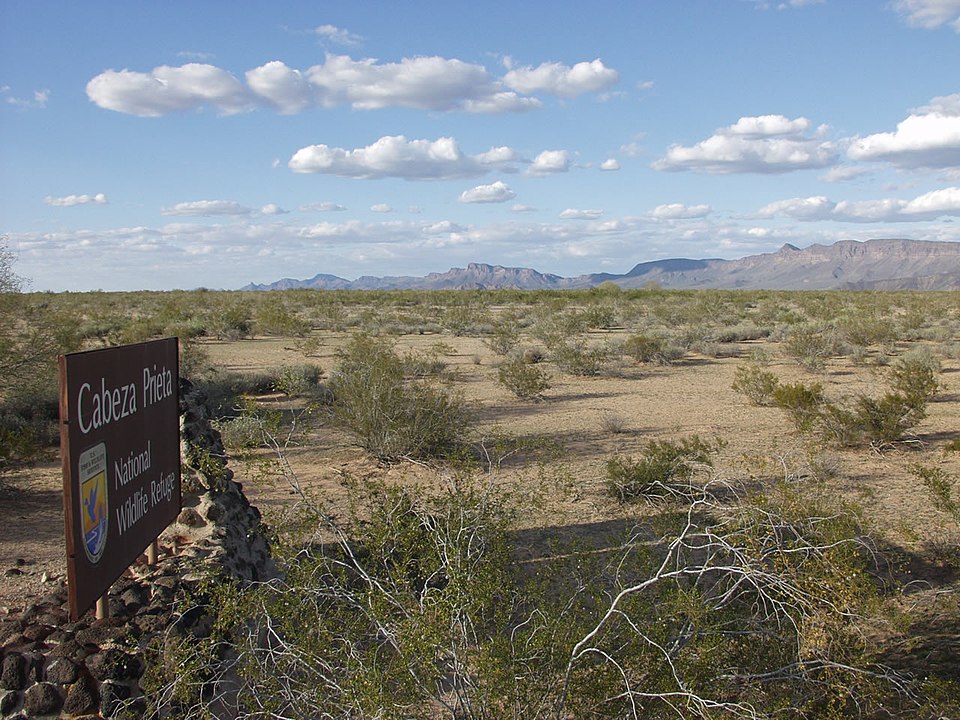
301 380
662 471
802 402
391 415
526 381
575 357
810 345
757 384
647 349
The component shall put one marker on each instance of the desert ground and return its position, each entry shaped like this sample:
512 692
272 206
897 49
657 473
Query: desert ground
558 447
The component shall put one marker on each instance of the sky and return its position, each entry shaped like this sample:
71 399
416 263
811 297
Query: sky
162 145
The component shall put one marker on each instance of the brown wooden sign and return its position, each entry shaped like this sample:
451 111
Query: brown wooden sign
120 442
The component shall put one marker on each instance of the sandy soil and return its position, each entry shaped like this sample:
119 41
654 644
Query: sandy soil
694 396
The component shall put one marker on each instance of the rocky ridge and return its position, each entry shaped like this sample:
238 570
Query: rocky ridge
881 264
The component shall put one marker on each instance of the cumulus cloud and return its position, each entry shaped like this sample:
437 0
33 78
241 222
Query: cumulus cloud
395 156
679 211
930 14
73 200
562 80
610 164
425 83
339 36
207 207
272 209
929 206
381 208
550 161
928 138
322 207
169 89
574 214
766 144
496 192
521 208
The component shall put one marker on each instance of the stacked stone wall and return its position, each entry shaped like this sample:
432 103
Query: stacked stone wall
53 668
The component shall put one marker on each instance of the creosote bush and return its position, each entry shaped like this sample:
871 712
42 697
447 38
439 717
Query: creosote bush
662 470
391 414
527 382
756 383
416 606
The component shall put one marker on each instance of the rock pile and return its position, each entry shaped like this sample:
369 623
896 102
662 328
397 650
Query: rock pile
51 667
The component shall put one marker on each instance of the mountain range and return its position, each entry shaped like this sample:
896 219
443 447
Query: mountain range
881 264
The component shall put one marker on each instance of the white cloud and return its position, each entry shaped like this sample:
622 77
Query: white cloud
38 101
395 156
281 86
521 208
496 192
338 36
550 161
841 173
322 207
169 89
808 208
498 156
443 227
562 80
610 164
73 200
929 206
930 14
928 138
381 208
207 207
426 83
272 209
679 211
574 214
765 144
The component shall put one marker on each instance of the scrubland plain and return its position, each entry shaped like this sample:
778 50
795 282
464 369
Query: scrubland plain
603 503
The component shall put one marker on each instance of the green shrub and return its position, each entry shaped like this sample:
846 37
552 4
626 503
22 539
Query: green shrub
505 335
390 415
662 469
646 349
757 384
802 402
577 358
527 382
941 487
811 345
915 375
297 380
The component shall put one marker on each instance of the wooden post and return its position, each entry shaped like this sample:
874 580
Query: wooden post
103 607
153 550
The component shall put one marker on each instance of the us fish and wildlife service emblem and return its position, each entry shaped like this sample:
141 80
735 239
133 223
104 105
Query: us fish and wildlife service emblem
93 500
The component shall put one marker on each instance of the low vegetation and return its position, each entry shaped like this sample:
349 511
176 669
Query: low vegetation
461 569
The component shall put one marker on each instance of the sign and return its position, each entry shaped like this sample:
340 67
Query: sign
120 444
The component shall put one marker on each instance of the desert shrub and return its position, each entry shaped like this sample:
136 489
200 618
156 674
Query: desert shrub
661 471
601 317
803 403
532 356
390 415
297 380
575 357
275 317
613 423
231 321
756 383
915 375
811 345
742 333
942 488
646 348
527 382
504 335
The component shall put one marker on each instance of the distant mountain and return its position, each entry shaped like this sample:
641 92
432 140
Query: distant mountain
883 264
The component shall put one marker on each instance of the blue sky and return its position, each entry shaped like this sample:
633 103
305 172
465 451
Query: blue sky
152 145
